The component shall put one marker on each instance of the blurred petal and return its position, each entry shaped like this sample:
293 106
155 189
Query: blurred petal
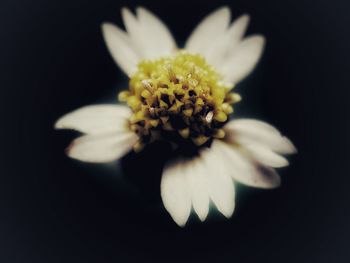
208 30
221 187
245 170
120 48
219 49
265 156
96 119
135 32
197 177
175 192
149 35
250 131
101 148
159 41
243 59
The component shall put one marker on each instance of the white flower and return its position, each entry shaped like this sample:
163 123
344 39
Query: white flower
184 96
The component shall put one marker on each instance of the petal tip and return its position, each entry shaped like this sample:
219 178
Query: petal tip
245 18
202 217
106 29
283 163
141 9
127 15
228 212
262 40
63 123
106 26
276 184
58 124
290 147
179 220
69 151
224 11
181 224
124 10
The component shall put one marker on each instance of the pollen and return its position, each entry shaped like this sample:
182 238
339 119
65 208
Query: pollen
178 98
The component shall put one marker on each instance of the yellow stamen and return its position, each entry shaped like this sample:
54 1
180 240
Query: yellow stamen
185 133
180 95
200 140
220 116
219 134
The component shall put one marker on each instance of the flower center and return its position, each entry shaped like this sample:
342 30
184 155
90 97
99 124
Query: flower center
179 98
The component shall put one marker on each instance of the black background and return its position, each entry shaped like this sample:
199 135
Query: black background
54 209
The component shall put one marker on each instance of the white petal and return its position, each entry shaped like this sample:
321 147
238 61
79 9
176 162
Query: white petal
221 187
266 156
120 47
135 31
197 177
131 24
175 192
159 41
208 30
149 35
96 119
243 59
101 148
219 49
249 131
243 169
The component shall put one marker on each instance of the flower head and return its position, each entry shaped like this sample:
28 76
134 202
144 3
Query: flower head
184 96
178 97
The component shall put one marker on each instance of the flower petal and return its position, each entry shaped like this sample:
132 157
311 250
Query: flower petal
250 131
197 177
243 59
175 192
120 48
243 169
101 148
221 187
96 119
135 31
208 30
219 49
151 37
159 41
265 156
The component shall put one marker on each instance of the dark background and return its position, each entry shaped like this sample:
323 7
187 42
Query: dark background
54 209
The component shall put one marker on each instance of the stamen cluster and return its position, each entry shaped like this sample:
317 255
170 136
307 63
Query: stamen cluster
179 97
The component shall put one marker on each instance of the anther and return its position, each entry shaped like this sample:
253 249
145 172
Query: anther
200 140
147 85
185 133
179 97
209 117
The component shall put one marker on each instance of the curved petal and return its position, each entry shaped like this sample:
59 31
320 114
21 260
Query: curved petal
120 48
243 169
243 59
135 32
101 148
219 49
220 184
175 192
265 156
160 41
149 35
197 177
96 119
250 131
208 30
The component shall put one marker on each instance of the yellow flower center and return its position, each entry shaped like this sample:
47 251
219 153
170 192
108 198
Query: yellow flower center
179 98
